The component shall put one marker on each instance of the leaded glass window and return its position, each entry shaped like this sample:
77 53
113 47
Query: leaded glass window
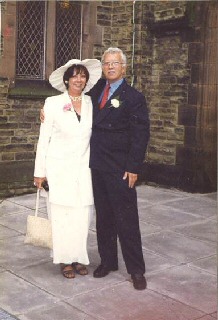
31 39
68 31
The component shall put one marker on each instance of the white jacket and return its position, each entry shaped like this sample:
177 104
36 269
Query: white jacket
63 151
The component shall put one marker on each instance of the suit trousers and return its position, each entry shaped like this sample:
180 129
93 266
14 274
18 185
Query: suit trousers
117 215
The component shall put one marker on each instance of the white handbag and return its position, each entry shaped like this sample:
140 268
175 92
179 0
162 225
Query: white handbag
38 229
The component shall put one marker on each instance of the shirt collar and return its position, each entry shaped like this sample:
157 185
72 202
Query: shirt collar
115 85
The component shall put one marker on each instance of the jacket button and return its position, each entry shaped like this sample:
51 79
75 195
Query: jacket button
109 125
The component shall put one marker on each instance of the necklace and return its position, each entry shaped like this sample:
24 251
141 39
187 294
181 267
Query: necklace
79 98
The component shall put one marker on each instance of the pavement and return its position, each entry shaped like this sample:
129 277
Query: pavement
179 236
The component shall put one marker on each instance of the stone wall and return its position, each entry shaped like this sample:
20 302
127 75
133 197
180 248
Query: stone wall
171 49
19 129
199 116
166 56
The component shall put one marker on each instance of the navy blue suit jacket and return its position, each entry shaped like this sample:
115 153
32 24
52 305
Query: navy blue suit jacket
119 135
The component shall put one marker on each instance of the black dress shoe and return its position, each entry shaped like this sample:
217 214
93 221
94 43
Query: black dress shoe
102 271
139 281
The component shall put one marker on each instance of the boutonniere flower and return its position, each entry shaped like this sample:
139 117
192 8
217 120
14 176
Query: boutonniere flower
67 107
115 103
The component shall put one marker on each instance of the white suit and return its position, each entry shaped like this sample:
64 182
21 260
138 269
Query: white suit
63 151
63 158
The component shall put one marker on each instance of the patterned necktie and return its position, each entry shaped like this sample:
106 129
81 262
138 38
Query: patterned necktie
105 96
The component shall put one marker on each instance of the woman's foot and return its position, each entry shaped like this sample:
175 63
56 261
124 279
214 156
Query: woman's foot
80 268
68 271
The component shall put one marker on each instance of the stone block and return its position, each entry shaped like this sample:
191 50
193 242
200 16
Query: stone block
6 133
187 115
185 156
192 94
17 147
25 156
3 119
8 125
25 125
13 171
5 140
169 160
195 52
190 139
195 72
10 156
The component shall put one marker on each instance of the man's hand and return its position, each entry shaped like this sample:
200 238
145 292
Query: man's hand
42 115
132 177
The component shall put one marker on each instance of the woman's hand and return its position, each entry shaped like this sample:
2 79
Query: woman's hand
42 115
38 182
132 178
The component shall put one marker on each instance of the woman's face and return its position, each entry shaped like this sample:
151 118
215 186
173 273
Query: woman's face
77 82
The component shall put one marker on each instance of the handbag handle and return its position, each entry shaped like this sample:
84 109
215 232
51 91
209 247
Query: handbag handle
37 202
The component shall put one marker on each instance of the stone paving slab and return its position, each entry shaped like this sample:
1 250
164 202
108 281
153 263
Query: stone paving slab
214 314
207 317
6 232
14 254
20 204
190 286
60 311
178 246
196 205
23 296
122 303
147 228
155 262
8 207
6 316
27 200
208 264
211 196
16 221
2 269
49 278
159 195
203 230
170 217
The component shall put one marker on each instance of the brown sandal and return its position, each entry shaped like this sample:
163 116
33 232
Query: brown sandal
68 271
80 268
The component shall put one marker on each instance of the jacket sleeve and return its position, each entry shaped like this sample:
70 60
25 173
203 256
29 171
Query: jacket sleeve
43 142
139 133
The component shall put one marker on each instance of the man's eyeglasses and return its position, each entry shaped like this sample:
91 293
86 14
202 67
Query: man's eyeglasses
113 64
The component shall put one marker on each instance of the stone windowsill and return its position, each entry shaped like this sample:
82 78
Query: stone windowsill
31 89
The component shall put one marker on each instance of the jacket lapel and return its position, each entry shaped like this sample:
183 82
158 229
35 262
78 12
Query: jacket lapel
71 114
95 94
99 115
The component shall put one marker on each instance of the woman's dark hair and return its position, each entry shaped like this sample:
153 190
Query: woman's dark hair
75 69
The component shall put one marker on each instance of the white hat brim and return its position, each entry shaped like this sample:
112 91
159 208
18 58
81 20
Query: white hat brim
93 66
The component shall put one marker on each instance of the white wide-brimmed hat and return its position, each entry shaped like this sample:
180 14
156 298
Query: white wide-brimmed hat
93 66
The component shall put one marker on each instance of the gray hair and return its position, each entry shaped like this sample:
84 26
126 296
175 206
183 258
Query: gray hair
112 51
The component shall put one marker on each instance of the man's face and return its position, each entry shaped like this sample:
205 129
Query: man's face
113 67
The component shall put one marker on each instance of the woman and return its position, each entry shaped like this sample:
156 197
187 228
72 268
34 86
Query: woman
62 158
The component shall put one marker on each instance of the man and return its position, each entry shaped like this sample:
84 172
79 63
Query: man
120 134
119 139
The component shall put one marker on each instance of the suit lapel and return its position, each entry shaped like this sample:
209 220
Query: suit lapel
99 115
71 114
95 94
